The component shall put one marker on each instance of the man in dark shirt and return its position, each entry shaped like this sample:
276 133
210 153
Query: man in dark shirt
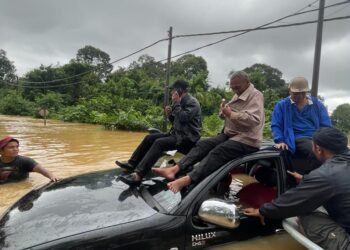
185 116
14 167
327 186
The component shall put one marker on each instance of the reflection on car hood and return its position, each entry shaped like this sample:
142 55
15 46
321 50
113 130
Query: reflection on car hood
72 206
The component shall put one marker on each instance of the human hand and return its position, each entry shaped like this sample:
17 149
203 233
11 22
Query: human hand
255 213
167 110
54 178
298 177
175 97
281 146
226 110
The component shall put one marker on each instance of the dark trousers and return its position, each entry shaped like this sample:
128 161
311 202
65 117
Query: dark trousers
151 148
212 154
322 230
304 150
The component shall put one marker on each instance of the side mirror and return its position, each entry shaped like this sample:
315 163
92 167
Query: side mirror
219 212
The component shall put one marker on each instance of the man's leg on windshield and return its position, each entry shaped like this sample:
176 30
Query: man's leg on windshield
195 155
221 154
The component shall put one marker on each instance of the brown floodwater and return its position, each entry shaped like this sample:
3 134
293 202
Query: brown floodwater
69 149
66 149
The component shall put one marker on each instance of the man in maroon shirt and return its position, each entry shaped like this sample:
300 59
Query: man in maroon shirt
14 167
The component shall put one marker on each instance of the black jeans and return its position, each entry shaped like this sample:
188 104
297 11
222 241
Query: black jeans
151 148
304 150
213 153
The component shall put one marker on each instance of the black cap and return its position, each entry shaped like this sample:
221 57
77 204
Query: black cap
180 84
331 139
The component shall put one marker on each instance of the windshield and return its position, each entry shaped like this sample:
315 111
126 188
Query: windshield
163 199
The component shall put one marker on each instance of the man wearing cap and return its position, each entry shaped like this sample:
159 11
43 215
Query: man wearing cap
14 167
327 186
185 116
296 118
244 121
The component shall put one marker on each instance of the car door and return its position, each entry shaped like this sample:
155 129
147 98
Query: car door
200 234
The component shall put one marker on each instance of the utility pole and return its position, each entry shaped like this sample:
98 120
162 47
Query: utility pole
166 86
317 57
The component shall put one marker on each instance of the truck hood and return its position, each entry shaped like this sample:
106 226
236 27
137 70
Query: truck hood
72 206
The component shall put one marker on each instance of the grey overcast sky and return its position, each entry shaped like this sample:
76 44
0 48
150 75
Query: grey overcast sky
49 32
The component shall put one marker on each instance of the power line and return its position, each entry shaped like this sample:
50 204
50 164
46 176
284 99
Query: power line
255 29
148 46
245 31
275 21
113 62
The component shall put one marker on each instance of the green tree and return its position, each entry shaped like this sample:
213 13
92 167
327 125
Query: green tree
266 77
7 69
52 101
97 58
341 117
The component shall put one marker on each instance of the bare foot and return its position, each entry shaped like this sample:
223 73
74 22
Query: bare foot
167 173
177 185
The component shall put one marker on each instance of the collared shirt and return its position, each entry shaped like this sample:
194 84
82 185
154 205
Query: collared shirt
247 120
303 124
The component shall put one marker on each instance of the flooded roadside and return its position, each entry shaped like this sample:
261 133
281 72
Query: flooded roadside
66 149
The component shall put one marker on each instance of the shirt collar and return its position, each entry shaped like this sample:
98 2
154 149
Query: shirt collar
245 94
309 100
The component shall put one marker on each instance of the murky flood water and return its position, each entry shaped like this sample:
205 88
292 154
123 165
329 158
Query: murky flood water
69 149
66 149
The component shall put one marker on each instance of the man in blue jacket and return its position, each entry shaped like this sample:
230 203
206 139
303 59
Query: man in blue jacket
296 118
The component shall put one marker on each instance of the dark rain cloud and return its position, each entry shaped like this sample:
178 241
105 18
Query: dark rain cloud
50 32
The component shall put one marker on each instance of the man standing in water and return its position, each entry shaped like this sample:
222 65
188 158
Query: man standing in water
328 186
185 116
244 121
14 167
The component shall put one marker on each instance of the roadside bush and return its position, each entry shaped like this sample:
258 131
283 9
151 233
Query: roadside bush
15 104
212 125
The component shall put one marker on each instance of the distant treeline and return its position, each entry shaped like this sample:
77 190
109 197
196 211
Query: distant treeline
131 98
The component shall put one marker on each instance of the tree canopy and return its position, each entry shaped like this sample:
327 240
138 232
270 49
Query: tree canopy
341 117
7 69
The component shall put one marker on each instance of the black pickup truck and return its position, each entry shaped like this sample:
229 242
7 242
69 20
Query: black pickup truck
98 211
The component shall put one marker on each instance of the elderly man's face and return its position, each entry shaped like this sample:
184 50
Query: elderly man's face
238 85
298 97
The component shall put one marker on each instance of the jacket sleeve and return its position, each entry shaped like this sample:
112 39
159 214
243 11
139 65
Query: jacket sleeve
277 123
251 117
187 112
306 197
171 117
325 120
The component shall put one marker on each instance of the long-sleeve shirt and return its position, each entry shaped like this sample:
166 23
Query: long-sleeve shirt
282 120
186 119
246 122
327 186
